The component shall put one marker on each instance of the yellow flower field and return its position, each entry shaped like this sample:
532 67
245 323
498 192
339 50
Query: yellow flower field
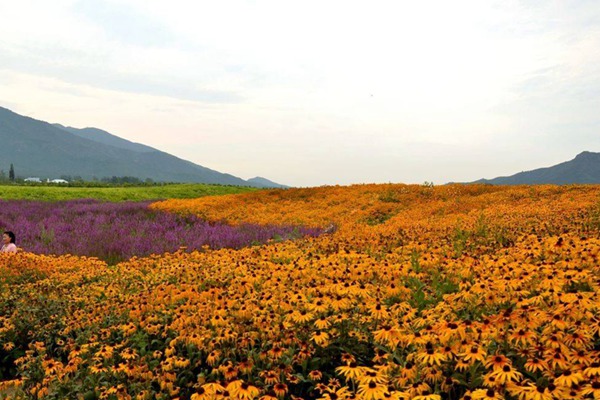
414 292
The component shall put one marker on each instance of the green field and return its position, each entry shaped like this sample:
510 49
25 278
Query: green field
132 193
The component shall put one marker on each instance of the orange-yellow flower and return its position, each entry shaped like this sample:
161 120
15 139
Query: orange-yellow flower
475 353
568 378
350 371
372 391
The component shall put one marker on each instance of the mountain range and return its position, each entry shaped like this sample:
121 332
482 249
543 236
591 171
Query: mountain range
584 168
38 148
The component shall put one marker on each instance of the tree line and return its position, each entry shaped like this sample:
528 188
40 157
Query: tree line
11 174
76 179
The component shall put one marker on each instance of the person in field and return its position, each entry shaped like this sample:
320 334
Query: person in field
8 243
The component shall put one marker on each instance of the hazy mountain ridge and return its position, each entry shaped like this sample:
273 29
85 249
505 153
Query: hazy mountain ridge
101 136
264 182
38 148
584 168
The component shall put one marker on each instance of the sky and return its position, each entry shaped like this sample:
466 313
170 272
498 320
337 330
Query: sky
311 93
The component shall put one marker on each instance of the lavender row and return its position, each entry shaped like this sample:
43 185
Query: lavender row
119 231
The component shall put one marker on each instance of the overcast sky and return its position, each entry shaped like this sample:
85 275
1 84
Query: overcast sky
310 93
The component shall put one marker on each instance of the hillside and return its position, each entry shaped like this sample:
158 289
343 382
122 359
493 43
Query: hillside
100 136
37 148
263 182
584 168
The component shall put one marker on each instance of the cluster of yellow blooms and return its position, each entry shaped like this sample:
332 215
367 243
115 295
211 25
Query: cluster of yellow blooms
414 292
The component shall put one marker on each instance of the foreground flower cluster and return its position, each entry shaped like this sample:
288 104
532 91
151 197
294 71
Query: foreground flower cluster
119 231
458 292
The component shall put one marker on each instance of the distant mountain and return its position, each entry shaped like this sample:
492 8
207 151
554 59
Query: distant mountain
100 136
37 148
263 182
584 168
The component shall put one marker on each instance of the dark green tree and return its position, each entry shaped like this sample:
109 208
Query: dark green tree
11 173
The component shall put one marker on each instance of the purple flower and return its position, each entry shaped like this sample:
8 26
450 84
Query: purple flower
118 231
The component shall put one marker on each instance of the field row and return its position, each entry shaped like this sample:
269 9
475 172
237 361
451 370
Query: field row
125 193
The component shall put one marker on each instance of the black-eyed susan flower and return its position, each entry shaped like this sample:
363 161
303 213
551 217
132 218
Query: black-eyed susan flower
8 346
334 383
301 317
530 391
536 365
418 388
230 372
430 396
372 391
315 375
583 357
489 380
591 389
487 394
387 334
97 368
430 356
408 371
293 379
506 374
270 377
380 356
201 394
433 375
497 361
467 396
246 366
51 366
243 390
321 387
557 360
371 375
462 365
473 354
213 357
321 338
568 378
280 389
322 323
350 371
276 352
347 358
557 391
213 387
337 394
593 370
270 395
523 337
449 383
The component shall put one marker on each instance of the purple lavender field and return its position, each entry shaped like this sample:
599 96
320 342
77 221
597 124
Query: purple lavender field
119 231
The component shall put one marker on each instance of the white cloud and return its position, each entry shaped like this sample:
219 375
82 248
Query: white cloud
351 90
